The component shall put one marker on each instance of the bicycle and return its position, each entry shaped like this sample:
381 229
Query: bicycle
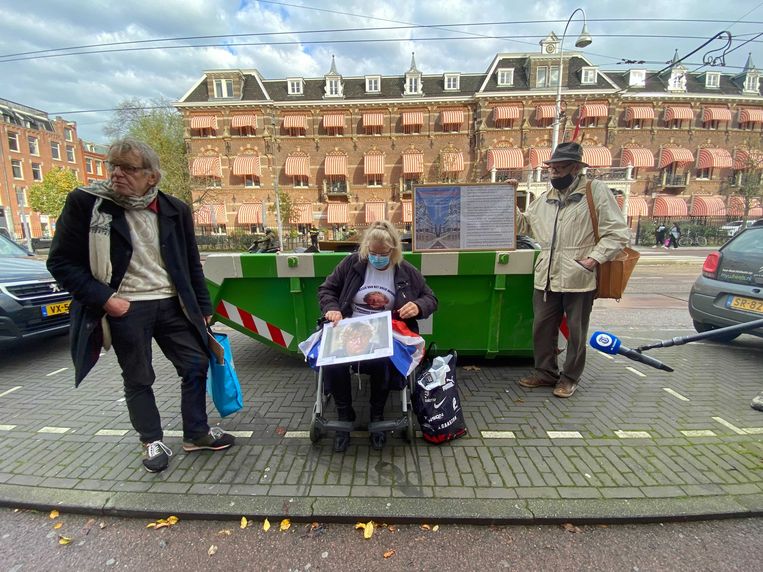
691 239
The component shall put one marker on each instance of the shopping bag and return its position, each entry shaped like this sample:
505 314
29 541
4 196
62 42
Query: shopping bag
222 381
436 402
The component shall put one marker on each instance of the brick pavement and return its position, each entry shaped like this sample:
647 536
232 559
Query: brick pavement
53 453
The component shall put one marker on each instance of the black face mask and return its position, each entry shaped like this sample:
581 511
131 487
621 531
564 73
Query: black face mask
562 182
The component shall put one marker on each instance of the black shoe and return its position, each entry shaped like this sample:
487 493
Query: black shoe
157 456
341 441
378 439
215 440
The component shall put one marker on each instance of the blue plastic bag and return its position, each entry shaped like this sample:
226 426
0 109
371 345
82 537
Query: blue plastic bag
222 381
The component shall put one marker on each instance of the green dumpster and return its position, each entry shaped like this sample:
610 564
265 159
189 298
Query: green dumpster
485 297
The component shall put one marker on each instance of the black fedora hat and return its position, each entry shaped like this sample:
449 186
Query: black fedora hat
565 152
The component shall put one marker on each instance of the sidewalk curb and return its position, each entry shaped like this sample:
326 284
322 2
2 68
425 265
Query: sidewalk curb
388 509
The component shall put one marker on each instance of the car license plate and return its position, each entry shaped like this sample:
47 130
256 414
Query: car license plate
55 309
746 304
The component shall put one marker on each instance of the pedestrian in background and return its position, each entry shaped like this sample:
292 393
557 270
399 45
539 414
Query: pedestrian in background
659 235
127 253
674 235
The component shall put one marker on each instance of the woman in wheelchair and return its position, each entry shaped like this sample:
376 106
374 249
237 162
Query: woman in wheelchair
374 279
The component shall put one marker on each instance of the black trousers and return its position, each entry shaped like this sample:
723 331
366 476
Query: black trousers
338 379
164 321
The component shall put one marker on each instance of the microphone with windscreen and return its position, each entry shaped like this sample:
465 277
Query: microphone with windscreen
611 344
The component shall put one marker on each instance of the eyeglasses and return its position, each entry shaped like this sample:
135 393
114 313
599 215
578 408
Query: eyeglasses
126 169
560 166
388 253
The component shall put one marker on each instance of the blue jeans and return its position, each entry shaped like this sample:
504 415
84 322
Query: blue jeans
164 321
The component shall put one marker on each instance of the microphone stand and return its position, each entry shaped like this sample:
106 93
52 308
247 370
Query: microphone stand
719 333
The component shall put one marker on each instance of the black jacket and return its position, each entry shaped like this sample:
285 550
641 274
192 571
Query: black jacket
339 288
69 262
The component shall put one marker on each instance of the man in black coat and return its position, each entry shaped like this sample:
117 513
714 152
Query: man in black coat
127 253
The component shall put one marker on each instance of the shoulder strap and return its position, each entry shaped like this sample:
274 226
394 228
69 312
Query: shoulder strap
592 210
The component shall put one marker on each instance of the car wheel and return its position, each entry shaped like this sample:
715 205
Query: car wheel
702 328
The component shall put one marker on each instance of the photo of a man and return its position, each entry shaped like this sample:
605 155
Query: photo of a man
357 339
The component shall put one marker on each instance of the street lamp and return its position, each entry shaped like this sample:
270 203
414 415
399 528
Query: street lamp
583 40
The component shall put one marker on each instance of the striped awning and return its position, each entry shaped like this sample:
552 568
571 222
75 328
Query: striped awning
674 155
374 119
620 201
336 165
751 115
373 164
594 110
637 206
452 116
707 206
407 211
744 159
538 155
413 163
247 165
678 112
636 158
716 114
207 167
332 120
505 158
249 213
413 118
301 213
249 120
294 122
452 162
337 213
670 206
203 122
597 156
375 211
545 111
297 166
714 158
639 112
211 214
504 112
736 208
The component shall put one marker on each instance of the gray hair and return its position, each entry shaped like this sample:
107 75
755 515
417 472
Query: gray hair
147 154
382 232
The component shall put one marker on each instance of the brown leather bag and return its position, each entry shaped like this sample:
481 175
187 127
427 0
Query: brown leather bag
613 275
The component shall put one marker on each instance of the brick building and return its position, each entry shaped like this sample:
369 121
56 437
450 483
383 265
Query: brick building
348 149
31 144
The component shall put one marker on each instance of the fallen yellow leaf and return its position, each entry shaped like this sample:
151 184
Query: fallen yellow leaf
212 550
151 525
244 522
435 528
368 531
569 527
426 527
64 540
389 554
172 520
285 524
53 514
360 525
162 524
58 525
266 525
392 528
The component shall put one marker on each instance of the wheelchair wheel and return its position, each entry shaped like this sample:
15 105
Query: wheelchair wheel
410 432
315 433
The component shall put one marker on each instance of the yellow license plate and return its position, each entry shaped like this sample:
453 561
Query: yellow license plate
746 304
55 309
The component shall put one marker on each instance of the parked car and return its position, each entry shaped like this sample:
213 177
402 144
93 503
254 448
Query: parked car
730 289
733 227
32 304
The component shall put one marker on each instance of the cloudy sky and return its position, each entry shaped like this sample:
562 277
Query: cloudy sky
298 37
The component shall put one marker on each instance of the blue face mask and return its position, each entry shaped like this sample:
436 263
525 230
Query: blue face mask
378 262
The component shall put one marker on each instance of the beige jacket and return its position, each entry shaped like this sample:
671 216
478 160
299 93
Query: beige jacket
565 233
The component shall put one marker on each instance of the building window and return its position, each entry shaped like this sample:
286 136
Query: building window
55 150
452 81
373 84
412 85
506 76
751 83
374 180
337 185
251 181
711 124
99 167
333 87
18 172
13 141
294 86
712 79
589 122
588 76
703 173
70 154
299 181
223 88
89 165
637 78
677 81
408 184
636 123
547 76
37 171
675 123
68 134
34 145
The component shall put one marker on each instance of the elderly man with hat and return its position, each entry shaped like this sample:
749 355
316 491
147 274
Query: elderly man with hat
565 271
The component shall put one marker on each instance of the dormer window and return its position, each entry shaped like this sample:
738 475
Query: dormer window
588 76
452 81
752 83
413 85
547 76
333 87
223 88
295 86
637 78
713 80
373 84
505 76
677 80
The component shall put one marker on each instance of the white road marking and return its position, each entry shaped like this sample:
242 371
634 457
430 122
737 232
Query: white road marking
633 434
728 425
564 434
7 427
296 434
55 372
11 390
59 430
675 394
173 433
120 399
606 355
498 434
111 433
637 372
699 433
242 434
753 430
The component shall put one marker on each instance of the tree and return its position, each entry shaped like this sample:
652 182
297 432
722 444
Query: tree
751 183
49 195
285 204
160 125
